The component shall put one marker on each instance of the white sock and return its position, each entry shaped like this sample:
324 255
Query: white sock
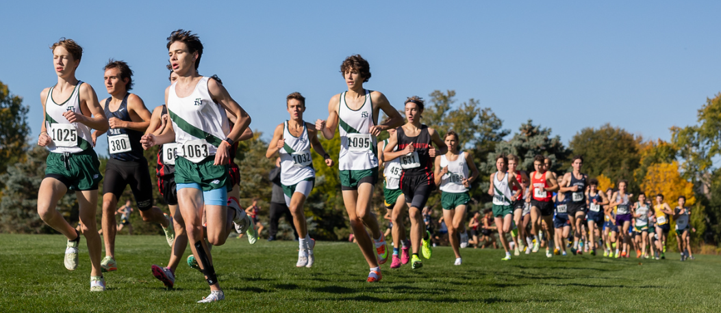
307 241
301 243
529 241
508 254
377 269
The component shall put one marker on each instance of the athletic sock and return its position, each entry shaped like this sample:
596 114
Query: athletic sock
396 251
376 269
416 254
77 239
508 254
301 243
529 241
403 244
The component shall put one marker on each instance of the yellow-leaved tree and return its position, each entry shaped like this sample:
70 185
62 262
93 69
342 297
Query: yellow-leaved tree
605 182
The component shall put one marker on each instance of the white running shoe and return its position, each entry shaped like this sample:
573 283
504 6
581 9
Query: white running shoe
302 258
458 261
215 295
311 258
517 252
549 253
71 255
97 283
464 240
239 221
528 249
169 231
536 246
164 275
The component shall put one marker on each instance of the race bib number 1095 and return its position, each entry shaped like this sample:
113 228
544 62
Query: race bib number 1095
359 142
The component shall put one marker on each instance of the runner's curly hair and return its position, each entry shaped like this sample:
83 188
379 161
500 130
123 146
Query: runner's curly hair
191 40
125 72
358 63
73 47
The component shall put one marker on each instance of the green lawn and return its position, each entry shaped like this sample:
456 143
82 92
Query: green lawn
263 277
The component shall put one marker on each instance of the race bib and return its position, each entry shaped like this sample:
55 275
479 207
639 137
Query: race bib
393 170
622 209
661 220
539 193
455 178
195 150
118 143
595 207
577 196
359 142
498 200
410 160
302 158
526 208
64 135
561 208
640 222
170 151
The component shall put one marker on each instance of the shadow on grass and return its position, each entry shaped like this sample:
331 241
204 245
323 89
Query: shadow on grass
606 286
491 300
564 268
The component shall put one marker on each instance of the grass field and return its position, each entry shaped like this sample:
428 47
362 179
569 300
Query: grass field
263 278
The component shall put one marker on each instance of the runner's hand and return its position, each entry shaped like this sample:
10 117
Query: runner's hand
466 183
432 152
222 155
329 162
147 141
444 171
575 188
280 143
319 125
44 140
164 120
94 136
73 117
375 130
409 149
115 122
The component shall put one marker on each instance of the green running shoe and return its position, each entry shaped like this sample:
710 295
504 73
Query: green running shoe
169 231
192 262
426 247
507 258
618 255
251 232
416 262
108 264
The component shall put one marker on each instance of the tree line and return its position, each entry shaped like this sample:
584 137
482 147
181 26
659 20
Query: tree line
683 166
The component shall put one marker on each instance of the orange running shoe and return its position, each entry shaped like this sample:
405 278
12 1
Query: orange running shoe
375 276
381 250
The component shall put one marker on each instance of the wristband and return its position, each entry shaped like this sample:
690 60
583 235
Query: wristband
326 156
229 141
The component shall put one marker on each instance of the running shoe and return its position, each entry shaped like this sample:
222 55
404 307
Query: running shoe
302 258
164 275
381 250
535 246
395 261
573 251
416 262
192 262
97 283
215 295
556 251
528 249
71 254
458 261
240 223
311 257
548 253
108 264
507 258
464 240
593 252
623 254
605 253
564 253
663 255
517 252
169 231
374 276
579 251
645 256
426 247
405 255
692 258
664 247
618 255
683 258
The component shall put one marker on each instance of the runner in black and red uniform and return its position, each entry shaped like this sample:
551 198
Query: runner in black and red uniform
416 155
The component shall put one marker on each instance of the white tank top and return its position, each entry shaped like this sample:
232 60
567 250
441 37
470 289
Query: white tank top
66 136
296 162
452 181
199 123
392 170
643 210
501 190
357 145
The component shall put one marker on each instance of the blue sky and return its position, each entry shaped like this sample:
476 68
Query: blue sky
567 65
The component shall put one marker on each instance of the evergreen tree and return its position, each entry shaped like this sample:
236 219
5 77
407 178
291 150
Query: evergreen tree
14 128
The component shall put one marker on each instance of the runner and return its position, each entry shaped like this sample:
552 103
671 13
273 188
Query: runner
474 224
455 171
356 111
662 212
128 119
520 207
640 214
574 185
681 216
544 183
596 200
561 222
293 140
252 212
487 229
621 200
500 188
416 153
394 201
72 164
124 212
195 106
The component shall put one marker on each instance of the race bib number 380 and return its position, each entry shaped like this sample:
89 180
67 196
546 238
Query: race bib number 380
359 142
195 150
119 144
64 135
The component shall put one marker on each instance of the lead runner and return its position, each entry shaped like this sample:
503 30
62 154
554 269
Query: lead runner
355 113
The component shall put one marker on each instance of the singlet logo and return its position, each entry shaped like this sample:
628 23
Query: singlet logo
364 114
72 109
198 101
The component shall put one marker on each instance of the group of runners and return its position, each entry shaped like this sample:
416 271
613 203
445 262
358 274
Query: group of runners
198 130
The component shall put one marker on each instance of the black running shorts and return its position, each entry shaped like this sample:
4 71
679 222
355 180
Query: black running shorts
546 207
417 189
119 174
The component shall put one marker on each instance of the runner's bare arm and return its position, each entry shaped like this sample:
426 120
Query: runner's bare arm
276 143
139 115
490 187
247 134
313 134
381 162
438 172
552 182
92 115
564 184
43 138
156 123
168 134
514 182
380 102
221 96
472 167
328 127
604 199
389 154
666 209
436 139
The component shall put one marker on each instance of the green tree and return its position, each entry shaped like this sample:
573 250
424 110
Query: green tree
18 207
611 151
699 144
14 128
